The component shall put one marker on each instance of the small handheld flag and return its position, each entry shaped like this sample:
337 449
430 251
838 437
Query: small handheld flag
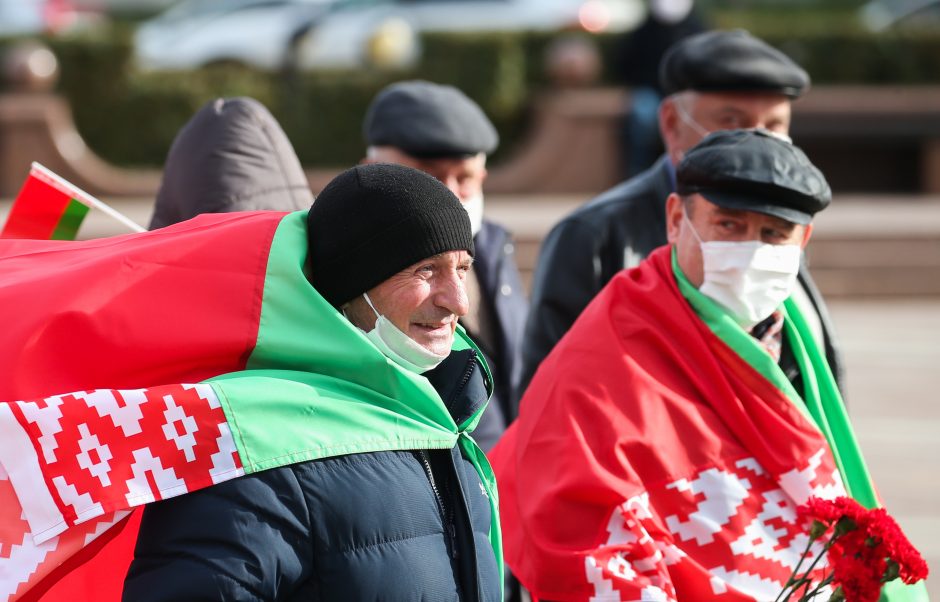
50 208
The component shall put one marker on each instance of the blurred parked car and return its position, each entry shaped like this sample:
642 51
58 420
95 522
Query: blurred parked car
885 15
196 33
349 33
21 17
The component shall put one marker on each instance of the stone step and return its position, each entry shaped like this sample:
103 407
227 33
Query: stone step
863 246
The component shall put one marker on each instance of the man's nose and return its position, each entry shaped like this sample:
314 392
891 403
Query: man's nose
462 191
452 295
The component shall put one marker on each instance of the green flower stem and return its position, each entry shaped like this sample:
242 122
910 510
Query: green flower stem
824 551
792 582
819 587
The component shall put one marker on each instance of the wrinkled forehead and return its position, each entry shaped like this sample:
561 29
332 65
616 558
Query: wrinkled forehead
461 164
456 258
742 101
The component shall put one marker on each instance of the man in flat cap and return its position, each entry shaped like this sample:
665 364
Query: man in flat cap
662 450
439 130
712 81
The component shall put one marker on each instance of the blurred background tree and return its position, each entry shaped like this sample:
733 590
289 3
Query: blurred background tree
129 114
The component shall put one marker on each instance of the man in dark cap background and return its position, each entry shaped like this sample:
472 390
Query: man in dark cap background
439 130
713 81
669 434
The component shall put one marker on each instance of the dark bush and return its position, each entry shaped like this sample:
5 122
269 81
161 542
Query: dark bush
130 118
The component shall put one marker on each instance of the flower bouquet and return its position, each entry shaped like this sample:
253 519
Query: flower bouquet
865 549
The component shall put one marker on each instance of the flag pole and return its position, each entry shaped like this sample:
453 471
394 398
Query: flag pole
56 179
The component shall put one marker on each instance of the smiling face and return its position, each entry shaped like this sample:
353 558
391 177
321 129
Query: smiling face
424 301
712 222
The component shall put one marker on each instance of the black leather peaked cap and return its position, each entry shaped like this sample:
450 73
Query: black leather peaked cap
372 221
730 61
754 170
428 120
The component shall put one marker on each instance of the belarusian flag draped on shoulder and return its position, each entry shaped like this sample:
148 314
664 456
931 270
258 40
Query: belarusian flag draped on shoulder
104 340
660 453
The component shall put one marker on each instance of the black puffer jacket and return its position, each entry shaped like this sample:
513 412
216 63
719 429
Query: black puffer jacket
398 526
231 156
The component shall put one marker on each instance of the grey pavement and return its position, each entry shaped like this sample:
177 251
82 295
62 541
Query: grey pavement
531 216
893 373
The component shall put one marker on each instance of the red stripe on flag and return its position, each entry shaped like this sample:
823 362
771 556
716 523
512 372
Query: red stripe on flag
96 572
181 304
37 210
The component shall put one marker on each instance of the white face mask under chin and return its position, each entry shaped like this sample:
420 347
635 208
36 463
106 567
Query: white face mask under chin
399 347
749 278
474 208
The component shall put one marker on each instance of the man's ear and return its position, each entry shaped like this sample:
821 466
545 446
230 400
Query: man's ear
668 126
807 233
674 211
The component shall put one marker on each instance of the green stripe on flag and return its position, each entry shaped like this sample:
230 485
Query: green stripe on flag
72 217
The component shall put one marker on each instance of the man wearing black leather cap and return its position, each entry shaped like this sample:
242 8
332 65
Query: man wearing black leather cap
689 410
713 81
439 130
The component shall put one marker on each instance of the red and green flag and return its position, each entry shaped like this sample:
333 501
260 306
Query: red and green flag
146 366
50 208
660 453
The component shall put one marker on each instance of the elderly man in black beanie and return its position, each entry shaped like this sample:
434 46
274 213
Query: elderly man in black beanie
712 81
410 517
439 130
689 411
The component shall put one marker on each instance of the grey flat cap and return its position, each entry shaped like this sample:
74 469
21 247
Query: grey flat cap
754 170
730 61
428 120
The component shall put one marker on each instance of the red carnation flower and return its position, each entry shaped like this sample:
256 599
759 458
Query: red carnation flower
865 549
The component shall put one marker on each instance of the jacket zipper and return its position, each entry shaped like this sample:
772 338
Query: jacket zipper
445 516
468 372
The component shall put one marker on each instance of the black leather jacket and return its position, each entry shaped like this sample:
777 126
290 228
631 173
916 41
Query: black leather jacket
501 288
616 230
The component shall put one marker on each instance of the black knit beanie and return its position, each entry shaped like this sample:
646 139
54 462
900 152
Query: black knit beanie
372 221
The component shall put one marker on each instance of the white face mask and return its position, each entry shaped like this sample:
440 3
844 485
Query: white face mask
399 347
474 208
749 278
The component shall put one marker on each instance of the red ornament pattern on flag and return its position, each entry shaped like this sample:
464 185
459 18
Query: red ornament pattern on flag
97 455
730 533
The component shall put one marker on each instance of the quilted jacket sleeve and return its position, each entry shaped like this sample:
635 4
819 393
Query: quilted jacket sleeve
245 539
